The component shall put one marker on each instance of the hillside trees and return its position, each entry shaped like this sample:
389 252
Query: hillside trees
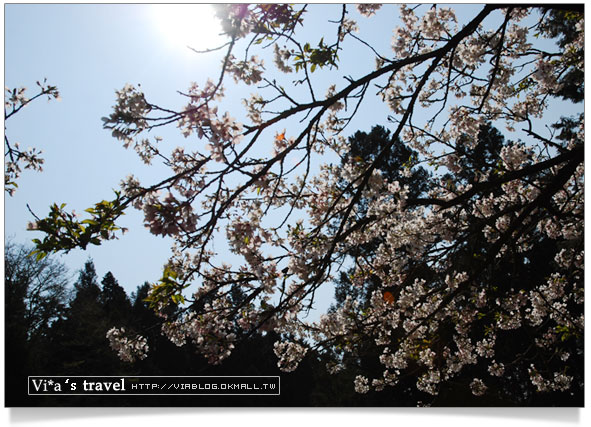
488 252
36 297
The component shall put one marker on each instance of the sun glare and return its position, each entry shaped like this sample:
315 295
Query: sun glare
187 25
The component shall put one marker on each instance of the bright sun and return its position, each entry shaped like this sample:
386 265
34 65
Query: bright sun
182 25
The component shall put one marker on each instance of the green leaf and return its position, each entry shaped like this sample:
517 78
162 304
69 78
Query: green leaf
177 299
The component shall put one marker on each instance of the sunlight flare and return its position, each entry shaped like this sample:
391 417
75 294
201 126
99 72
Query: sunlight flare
185 26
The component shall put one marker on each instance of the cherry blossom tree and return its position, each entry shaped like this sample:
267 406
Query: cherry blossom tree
454 297
15 157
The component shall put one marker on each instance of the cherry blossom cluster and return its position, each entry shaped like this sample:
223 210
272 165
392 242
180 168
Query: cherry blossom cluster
202 118
249 72
129 114
212 335
559 382
15 98
168 216
290 355
128 349
280 57
17 160
368 9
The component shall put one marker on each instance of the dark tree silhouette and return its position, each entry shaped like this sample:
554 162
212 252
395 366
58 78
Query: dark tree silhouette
36 296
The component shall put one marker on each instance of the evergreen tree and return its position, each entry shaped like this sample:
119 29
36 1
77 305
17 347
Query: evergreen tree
80 343
114 300
561 24
392 163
